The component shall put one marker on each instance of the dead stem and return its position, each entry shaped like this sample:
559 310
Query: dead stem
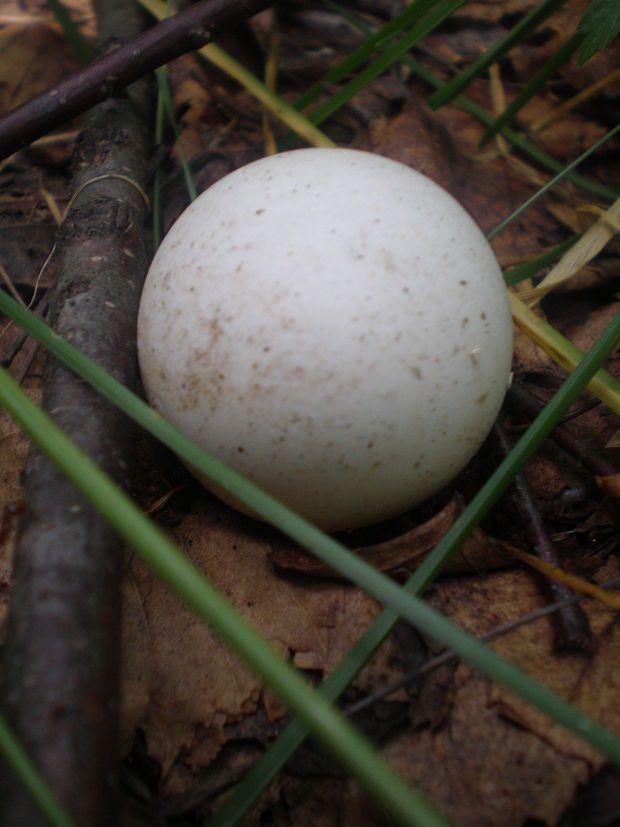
61 659
447 657
190 29
523 402
571 623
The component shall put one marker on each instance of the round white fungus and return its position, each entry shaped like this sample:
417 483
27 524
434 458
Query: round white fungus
334 326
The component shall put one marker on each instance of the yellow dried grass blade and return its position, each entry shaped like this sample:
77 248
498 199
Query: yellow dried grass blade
602 385
578 584
574 102
274 104
591 243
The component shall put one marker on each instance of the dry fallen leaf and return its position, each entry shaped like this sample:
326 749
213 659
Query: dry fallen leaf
181 686
32 58
401 555
610 485
495 762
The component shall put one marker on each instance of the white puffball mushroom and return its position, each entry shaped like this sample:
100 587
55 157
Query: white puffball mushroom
334 326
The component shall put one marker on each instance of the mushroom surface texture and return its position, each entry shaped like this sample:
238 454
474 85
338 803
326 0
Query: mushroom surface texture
334 326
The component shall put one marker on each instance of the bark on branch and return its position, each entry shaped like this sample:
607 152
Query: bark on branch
190 29
62 649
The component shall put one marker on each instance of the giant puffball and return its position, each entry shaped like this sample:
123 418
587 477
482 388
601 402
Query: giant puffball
334 326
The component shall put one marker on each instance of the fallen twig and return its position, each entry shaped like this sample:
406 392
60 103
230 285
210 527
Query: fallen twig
447 657
520 399
62 649
571 623
115 70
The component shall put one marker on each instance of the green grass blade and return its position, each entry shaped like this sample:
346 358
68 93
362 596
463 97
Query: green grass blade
20 762
563 173
529 23
378 66
164 103
274 759
79 44
561 57
408 17
274 104
517 140
514 138
163 90
337 734
156 200
520 272
427 24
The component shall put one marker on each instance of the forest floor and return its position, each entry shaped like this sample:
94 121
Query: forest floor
193 719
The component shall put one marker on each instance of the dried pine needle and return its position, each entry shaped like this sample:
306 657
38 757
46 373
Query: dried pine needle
52 205
274 104
576 583
574 102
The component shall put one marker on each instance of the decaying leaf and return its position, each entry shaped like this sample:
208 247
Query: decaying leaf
181 686
610 485
477 750
31 59
495 762
401 555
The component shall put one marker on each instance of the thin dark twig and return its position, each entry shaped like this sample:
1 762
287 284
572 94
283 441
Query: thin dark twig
61 678
447 656
29 352
13 348
572 627
581 410
522 401
190 29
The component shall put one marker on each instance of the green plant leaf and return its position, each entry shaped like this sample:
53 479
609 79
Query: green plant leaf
517 140
163 91
598 26
156 200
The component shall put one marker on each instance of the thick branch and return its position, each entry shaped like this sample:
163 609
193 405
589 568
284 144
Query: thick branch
190 29
62 649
